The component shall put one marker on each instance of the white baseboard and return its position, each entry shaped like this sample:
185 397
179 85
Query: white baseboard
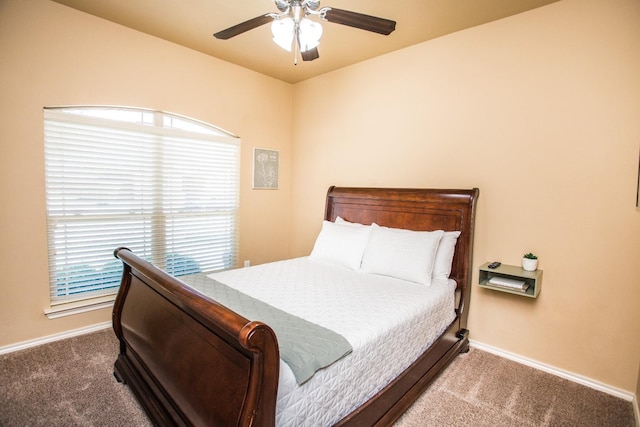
636 410
622 394
56 337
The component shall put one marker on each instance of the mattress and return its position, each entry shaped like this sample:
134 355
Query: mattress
389 322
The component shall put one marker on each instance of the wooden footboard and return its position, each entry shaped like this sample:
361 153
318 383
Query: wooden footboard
189 360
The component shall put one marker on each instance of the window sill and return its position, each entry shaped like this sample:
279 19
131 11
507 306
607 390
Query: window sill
77 307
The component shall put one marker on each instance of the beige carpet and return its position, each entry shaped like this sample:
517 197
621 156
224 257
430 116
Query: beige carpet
66 383
70 383
481 389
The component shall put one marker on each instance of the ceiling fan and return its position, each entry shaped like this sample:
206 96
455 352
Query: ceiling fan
293 31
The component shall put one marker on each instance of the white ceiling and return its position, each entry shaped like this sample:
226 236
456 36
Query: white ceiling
191 23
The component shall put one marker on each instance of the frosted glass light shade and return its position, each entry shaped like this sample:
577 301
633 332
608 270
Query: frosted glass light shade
310 33
282 30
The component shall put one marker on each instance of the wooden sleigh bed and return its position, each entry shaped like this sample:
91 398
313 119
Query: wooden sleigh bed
191 361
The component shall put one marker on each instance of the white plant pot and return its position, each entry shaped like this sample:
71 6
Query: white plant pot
529 264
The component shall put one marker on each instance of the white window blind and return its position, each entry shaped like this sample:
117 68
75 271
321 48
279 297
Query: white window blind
164 186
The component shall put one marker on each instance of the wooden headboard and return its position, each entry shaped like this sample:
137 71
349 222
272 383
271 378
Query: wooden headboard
419 210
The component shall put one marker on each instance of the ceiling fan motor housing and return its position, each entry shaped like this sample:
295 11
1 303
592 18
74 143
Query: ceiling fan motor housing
307 5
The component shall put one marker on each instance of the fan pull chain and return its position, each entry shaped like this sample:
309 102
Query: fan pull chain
296 47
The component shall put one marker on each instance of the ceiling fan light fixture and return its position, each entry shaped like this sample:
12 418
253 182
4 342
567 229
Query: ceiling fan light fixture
283 32
309 34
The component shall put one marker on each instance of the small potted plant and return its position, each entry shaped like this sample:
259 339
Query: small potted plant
530 262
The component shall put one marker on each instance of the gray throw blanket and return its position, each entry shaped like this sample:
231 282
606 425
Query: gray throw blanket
304 346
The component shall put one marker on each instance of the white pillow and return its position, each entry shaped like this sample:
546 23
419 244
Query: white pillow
340 244
444 255
403 254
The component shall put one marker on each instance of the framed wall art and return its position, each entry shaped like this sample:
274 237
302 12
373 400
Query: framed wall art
266 165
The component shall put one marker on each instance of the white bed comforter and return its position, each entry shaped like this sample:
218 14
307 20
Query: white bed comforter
389 323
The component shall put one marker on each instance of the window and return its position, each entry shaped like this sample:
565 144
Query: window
164 186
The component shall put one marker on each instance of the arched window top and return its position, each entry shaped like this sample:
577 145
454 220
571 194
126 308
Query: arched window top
143 117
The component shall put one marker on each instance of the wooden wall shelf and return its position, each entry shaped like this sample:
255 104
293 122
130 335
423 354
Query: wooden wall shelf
512 272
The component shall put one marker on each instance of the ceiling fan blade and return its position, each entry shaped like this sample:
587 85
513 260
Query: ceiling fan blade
243 27
310 55
361 21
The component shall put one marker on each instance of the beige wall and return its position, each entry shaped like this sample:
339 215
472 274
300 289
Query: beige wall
541 112
550 97
53 55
